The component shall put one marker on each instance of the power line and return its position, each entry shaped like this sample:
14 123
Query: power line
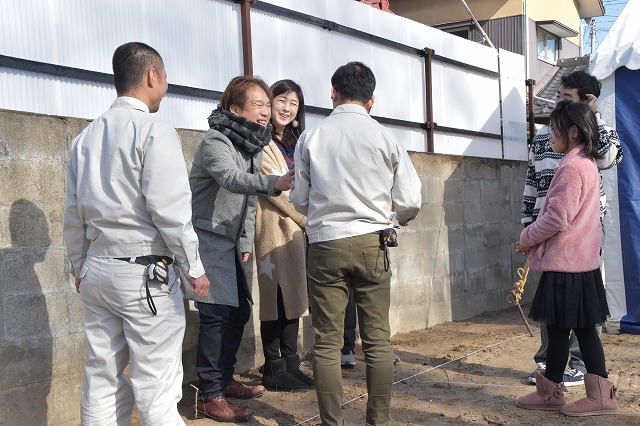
598 27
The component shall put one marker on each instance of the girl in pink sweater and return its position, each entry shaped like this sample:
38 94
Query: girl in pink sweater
564 244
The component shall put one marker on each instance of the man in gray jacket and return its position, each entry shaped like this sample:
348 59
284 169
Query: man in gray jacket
128 218
350 174
226 180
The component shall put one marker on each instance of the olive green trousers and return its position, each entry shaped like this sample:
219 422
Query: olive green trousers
334 267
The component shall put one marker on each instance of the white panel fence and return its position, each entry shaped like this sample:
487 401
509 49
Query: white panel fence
55 58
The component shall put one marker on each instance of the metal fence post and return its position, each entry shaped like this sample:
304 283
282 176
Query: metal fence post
245 19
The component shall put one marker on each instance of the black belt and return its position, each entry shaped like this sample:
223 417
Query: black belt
146 260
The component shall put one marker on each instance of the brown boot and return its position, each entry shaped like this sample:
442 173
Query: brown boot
221 410
240 391
548 395
601 398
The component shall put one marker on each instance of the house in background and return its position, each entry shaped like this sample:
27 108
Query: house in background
378 4
546 32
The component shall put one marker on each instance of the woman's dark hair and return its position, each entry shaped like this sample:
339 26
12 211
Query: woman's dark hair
130 63
354 81
568 113
236 91
291 133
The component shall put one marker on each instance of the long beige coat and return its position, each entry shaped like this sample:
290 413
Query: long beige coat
280 247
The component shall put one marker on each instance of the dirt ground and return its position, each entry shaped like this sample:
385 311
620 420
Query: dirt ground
456 373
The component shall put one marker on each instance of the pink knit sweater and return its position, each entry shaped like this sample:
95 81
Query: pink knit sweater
567 235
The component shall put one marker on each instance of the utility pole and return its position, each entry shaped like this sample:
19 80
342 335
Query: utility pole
592 34
583 43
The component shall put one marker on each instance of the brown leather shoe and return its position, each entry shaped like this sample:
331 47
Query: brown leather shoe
240 391
221 410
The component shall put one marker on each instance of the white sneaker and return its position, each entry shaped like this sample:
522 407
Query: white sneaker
572 377
541 367
347 360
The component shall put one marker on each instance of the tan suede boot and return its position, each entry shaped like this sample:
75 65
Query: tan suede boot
548 395
601 398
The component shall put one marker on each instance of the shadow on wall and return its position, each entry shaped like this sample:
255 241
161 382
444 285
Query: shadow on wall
483 201
26 345
471 210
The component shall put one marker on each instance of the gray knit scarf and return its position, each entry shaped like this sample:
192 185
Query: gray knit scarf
245 134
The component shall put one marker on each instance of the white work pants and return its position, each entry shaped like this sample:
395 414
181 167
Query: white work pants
121 329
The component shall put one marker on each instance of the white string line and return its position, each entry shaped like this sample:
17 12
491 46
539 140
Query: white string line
435 263
422 372
433 382
195 403
494 385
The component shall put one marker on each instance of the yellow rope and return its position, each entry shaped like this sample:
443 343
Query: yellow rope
518 287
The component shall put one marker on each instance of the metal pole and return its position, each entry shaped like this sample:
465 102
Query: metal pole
429 125
549 102
532 127
477 24
592 34
525 37
245 22
583 28
486 37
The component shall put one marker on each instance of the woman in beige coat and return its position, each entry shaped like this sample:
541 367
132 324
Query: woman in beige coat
280 247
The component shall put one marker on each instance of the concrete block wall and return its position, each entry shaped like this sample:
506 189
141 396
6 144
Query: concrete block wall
41 334
456 260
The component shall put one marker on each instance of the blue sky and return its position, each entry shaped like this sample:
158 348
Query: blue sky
603 23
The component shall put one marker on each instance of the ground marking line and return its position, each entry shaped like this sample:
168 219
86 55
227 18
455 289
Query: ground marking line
422 372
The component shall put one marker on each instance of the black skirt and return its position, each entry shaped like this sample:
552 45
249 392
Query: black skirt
570 300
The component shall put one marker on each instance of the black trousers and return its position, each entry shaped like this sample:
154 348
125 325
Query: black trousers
279 337
350 318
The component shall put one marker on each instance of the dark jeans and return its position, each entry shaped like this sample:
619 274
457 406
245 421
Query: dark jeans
221 329
350 325
279 337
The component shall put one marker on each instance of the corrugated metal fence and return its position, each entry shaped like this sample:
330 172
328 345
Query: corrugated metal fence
55 58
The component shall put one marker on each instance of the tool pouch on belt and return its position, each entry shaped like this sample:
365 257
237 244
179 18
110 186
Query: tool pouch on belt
388 238
158 271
